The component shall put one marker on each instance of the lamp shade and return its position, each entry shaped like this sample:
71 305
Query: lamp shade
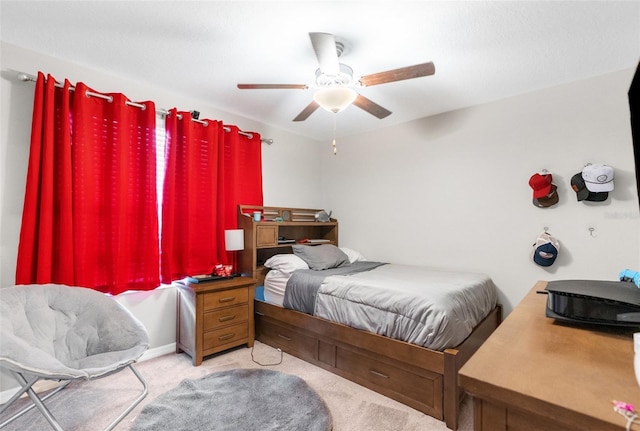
335 98
234 239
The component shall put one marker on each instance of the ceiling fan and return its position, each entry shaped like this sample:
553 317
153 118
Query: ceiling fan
334 80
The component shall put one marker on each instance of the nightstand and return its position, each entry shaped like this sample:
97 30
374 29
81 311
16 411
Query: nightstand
214 316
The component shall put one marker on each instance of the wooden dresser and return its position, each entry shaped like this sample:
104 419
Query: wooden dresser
214 316
536 374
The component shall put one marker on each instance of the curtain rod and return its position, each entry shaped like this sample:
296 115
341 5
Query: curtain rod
23 76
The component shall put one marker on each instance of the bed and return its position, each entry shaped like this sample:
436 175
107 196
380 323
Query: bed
400 330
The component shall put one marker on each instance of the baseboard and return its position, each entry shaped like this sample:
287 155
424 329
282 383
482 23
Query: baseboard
149 354
158 351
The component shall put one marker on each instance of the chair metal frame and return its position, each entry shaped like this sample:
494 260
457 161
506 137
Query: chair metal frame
27 381
100 338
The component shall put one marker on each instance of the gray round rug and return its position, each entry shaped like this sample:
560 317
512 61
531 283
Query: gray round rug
238 400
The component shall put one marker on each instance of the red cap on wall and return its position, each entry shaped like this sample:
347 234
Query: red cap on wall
541 185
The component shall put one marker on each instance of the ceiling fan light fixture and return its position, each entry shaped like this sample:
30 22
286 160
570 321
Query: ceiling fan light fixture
336 98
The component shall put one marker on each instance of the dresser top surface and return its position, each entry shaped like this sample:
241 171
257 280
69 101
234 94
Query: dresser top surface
227 283
543 364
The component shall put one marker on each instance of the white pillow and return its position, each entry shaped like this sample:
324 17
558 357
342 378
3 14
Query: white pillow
286 263
354 256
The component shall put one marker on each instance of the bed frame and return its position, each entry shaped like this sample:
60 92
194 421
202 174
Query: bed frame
424 379
421 378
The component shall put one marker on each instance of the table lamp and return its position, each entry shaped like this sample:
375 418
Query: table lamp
233 241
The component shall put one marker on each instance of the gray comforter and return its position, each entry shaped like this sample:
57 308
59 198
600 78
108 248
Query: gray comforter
430 307
303 285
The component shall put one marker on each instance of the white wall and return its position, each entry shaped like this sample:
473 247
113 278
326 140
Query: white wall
291 173
447 191
452 190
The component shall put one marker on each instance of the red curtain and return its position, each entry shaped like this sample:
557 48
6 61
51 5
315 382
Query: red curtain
211 169
46 252
93 220
240 180
189 231
91 208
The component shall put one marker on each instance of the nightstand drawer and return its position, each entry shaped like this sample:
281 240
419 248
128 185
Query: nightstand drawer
226 298
228 335
226 317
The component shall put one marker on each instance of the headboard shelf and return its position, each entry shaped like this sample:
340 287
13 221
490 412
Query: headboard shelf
268 237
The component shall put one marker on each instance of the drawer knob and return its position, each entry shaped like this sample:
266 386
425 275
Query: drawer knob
226 318
226 336
227 299
376 373
284 337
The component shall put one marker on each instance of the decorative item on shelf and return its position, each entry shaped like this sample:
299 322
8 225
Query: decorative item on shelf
598 178
223 270
323 216
545 193
545 249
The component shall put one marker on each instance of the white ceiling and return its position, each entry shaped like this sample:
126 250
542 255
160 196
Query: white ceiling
482 50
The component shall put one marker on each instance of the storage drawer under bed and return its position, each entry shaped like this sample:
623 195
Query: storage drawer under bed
418 388
423 386
288 339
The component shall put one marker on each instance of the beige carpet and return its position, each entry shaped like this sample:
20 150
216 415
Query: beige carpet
89 406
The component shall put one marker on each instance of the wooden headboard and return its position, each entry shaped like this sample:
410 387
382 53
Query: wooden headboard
278 230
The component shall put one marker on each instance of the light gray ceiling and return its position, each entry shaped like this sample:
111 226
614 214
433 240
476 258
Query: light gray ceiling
482 50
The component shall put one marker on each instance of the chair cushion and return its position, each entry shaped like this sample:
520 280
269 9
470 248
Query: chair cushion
62 332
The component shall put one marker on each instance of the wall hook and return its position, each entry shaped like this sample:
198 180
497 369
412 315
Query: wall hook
546 229
591 230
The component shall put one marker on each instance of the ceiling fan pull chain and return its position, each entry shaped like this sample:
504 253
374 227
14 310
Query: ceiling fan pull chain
335 150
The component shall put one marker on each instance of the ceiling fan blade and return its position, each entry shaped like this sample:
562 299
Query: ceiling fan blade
272 86
371 107
310 109
410 72
324 44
